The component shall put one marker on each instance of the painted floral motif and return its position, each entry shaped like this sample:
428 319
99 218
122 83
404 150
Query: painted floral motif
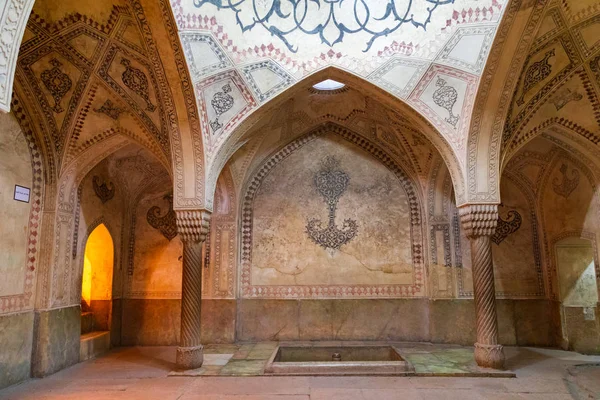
564 97
57 82
567 185
331 183
537 72
507 227
136 80
331 20
166 224
445 96
105 191
221 103
110 109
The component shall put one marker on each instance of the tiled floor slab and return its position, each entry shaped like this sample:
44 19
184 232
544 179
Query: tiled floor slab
142 373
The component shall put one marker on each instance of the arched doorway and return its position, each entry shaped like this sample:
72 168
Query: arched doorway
96 292
576 272
578 293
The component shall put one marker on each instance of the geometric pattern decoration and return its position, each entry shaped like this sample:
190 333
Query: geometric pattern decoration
60 78
552 23
399 76
587 36
545 66
380 47
556 65
203 54
468 49
266 79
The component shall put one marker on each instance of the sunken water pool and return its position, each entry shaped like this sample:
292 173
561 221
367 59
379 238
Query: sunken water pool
337 360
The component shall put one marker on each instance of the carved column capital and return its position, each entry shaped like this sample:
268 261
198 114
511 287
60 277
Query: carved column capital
193 225
479 219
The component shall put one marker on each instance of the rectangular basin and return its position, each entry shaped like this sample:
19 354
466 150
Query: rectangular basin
324 360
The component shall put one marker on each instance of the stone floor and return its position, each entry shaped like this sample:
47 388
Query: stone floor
142 373
428 360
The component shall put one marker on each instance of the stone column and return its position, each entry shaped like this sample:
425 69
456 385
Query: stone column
479 222
192 226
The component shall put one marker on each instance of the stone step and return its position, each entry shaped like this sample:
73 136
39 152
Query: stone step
87 322
94 344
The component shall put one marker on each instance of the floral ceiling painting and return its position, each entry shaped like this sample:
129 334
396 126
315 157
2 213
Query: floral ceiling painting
260 48
330 20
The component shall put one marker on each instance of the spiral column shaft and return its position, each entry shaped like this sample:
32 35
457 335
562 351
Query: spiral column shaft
193 229
479 222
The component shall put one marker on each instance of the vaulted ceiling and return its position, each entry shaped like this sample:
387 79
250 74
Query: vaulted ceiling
428 53
93 77
559 85
88 78
347 108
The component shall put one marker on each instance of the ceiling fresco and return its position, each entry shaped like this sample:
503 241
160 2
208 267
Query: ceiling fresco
242 54
91 78
559 86
92 84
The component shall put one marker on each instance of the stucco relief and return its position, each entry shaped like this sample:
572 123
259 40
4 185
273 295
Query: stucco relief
283 261
13 18
489 113
221 250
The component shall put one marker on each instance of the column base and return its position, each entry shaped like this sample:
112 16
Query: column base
489 355
190 357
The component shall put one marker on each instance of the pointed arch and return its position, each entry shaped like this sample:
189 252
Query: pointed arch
415 216
98 264
244 131
514 37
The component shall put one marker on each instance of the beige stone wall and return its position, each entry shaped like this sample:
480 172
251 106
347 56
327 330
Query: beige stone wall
15 169
285 261
157 261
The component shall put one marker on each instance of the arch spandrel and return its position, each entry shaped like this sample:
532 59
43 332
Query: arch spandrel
431 61
360 105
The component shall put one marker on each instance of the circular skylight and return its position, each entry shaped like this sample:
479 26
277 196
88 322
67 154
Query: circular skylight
329 84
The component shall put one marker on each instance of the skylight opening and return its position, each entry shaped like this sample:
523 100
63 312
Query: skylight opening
329 84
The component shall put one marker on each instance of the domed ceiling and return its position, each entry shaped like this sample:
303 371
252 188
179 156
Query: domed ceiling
429 53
